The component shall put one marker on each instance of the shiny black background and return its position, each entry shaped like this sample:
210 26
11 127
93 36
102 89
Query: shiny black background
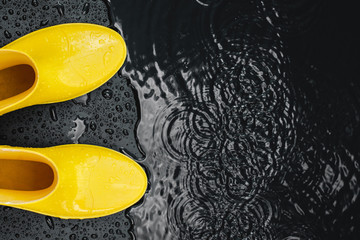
263 96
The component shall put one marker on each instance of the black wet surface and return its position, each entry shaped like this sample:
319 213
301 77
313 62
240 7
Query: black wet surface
249 118
105 117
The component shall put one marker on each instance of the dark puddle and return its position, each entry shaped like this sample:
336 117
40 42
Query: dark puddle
249 118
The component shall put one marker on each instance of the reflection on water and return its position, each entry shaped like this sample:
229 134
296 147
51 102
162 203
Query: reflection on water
235 145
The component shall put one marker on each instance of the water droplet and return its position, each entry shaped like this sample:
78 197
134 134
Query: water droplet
125 132
109 131
73 237
78 130
61 9
53 114
93 126
128 106
35 3
86 8
7 34
44 22
107 94
119 108
75 228
50 222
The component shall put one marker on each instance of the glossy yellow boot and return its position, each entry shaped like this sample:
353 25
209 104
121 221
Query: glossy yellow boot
69 181
58 63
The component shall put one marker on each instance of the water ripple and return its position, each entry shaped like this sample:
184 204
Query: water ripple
231 130
232 144
199 218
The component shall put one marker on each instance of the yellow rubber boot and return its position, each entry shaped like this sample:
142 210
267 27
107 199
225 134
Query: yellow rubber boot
69 181
58 63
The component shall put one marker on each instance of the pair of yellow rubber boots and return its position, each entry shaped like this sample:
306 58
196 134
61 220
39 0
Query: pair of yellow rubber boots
51 65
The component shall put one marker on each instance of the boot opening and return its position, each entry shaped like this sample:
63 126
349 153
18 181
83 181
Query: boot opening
16 80
25 175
